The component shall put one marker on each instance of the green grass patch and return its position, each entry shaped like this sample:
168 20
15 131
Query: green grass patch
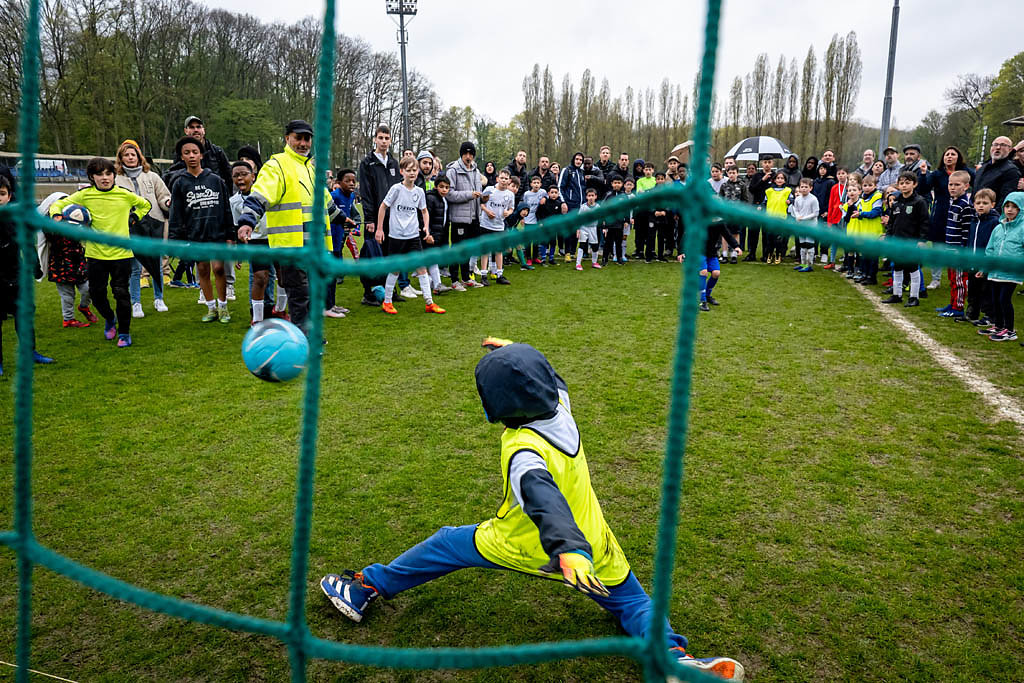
850 511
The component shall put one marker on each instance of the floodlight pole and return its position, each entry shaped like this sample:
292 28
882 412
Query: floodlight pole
403 39
883 139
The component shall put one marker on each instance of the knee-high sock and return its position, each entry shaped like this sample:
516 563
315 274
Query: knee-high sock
703 287
435 275
712 281
257 311
579 255
593 254
915 283
897 282
389 287
425 286
281 302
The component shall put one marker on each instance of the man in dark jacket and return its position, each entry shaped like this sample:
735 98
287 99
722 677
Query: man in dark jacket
593 177
378 171
517 169
604 162
543 169
214 157
999 174
758 184
623 167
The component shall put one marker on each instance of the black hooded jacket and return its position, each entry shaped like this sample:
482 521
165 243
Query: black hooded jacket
375 179
547 179
200 211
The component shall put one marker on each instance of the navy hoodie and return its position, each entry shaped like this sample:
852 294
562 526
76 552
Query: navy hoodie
980 230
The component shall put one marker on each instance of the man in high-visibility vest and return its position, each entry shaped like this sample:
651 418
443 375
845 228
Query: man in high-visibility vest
283 192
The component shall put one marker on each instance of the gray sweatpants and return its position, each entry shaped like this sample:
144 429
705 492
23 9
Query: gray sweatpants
67 298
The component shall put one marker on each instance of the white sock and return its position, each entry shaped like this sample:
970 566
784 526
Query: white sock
435 275
897 282
593 255
915 283
492 266
579 255
425 286
389 287
222 304
498 271
472 265
257 310
281 302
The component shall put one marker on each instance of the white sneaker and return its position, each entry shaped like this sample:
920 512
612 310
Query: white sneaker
458 286
934 285
202 298
824 258
409 292
231 293
159 305
442 289
137 311
415 291
333 313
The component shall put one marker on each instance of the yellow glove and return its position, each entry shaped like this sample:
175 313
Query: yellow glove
578 572
492 343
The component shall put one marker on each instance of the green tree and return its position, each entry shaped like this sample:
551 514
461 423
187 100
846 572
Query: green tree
245 122
1007 96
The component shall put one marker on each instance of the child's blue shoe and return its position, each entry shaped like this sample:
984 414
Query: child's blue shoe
124 341
348 593
944 309
110 329
724 667
806 269
41 359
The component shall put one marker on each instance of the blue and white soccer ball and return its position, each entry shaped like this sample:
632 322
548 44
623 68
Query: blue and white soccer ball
275 350
76 214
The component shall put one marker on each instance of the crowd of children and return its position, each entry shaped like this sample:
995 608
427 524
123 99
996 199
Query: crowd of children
416 203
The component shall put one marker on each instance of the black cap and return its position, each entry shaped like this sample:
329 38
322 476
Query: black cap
298 126
912 145
886 150
192 118
467 147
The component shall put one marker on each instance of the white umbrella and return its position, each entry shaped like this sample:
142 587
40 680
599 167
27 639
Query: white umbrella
751 149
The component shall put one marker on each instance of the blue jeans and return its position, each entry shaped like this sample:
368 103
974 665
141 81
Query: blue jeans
452 548
135 282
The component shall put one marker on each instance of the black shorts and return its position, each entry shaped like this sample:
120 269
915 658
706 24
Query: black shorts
398 246
258 266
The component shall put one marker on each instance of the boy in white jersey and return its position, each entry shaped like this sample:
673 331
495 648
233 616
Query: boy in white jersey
587 234
496 205
408 204
532 199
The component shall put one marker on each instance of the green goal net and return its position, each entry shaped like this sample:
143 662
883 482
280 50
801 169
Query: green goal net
694 202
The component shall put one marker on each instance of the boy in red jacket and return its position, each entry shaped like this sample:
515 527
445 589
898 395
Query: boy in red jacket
834 217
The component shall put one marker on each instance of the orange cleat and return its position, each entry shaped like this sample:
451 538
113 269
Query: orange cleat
434 308
389 308
492 343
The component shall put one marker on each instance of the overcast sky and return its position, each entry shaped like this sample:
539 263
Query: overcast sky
476 53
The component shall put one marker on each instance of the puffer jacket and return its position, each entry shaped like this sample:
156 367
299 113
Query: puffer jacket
1007 239
572 185
462 206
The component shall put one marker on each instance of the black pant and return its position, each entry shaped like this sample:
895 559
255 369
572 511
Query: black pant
1002 303
370 249
641 223
460 233
664 228
613 244
184 269
979 299
296 284
117 271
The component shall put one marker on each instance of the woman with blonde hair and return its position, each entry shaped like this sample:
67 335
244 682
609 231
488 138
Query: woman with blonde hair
134 175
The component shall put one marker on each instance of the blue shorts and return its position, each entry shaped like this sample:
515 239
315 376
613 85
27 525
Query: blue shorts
710 263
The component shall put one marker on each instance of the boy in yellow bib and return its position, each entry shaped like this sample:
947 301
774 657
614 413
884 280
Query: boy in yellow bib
549 522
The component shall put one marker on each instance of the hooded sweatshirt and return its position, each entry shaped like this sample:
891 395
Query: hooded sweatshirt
464 180
981 230
792 170
1007 239
200 211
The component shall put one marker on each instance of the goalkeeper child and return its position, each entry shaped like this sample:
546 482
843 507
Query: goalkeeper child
549 523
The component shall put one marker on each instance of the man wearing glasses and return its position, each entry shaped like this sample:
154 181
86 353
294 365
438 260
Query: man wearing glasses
999 173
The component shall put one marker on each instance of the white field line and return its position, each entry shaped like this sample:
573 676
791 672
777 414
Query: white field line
57 678
1004 406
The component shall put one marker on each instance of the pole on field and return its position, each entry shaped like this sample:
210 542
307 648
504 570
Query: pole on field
403 8
883 139
984 141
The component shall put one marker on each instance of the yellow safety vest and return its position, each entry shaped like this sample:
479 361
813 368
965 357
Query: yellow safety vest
511 539
870 226
286 182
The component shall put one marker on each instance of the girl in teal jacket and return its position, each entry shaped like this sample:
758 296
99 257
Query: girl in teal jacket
1007 240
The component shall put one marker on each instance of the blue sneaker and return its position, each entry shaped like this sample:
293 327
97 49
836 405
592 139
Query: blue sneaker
41 359
110 329
944 309
177 284
806 269
952 313
723 667
348 593
124 341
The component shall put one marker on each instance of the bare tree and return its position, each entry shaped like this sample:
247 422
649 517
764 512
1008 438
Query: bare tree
972 93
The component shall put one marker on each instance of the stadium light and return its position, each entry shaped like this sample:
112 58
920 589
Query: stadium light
403 8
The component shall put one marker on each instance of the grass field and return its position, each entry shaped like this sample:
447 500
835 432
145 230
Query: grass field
850 511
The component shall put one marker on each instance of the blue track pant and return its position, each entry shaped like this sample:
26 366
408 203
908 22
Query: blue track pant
452 548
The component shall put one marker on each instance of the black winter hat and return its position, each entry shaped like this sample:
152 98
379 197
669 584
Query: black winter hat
516 382
467 147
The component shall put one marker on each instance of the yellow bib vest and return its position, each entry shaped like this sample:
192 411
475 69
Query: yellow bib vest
870 226
511 539
286 182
